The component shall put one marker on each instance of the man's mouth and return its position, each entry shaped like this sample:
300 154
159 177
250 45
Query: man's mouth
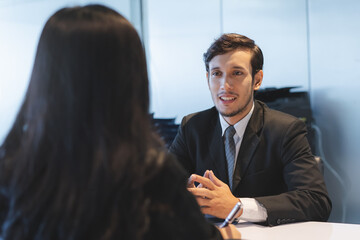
227 98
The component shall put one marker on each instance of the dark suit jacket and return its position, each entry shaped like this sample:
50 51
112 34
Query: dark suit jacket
275 164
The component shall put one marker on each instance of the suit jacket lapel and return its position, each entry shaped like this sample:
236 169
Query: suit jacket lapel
217 151
249 144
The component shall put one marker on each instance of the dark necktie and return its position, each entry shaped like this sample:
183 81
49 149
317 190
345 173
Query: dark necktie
230 151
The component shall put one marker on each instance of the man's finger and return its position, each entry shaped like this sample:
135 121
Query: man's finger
206 175
201 192
206 182
190 182
215 180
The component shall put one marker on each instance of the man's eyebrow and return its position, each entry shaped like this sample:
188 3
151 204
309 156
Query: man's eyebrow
214 68
233 67
238 67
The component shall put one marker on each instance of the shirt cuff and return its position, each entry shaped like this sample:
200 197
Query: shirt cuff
253 211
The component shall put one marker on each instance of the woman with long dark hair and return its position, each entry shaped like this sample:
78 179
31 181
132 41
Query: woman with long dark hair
81 161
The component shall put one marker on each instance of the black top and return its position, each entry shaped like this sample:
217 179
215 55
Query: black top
173 212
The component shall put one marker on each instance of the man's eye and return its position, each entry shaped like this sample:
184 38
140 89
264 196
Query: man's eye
216 74
238 73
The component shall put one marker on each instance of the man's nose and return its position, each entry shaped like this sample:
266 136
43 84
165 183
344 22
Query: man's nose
226 83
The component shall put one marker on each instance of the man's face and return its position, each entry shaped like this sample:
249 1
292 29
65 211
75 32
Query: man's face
231 84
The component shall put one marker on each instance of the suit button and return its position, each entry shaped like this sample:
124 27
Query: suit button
278 221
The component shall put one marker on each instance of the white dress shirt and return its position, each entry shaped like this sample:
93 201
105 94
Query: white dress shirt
253 211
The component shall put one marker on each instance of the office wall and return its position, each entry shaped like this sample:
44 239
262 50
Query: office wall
178 33
335 95
21 22
314 44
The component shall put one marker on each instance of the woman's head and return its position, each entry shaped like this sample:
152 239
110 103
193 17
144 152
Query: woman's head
76 158
89 70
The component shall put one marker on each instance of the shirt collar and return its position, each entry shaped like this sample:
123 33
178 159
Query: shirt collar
240 126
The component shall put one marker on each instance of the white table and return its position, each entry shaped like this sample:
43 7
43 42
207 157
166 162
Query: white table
297 231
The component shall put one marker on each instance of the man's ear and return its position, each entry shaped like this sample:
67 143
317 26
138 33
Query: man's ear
258 79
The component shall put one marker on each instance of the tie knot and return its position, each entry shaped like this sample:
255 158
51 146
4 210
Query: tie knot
229 132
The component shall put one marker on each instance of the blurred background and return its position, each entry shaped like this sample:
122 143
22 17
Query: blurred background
312 44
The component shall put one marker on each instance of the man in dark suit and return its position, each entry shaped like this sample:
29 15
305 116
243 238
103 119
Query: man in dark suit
245 151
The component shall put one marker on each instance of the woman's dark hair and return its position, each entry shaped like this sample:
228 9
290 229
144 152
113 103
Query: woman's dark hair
75 160
230 42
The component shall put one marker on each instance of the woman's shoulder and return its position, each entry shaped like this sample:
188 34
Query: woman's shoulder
166 167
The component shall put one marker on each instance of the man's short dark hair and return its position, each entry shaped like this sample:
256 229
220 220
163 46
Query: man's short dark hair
231 41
